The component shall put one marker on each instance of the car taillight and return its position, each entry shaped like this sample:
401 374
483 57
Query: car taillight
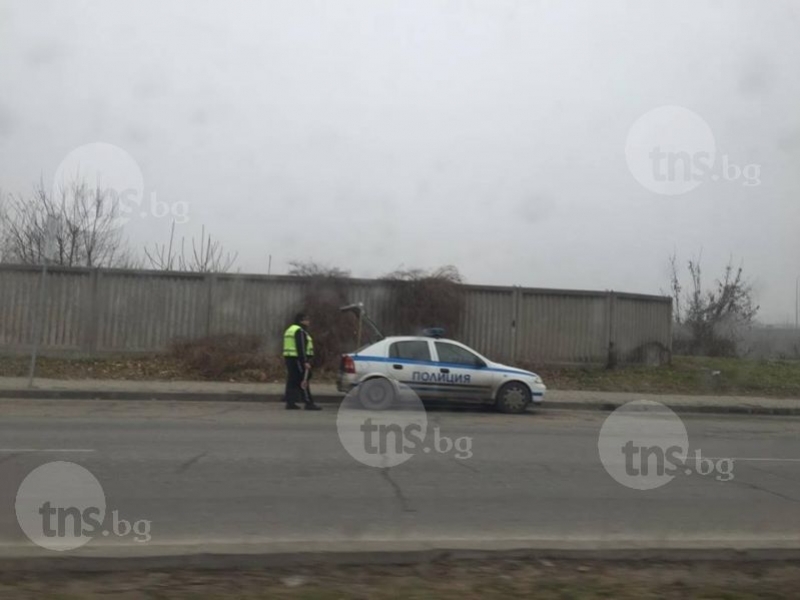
348 364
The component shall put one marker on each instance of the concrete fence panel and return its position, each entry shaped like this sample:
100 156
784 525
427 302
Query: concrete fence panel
642 327
143 313
253 305
563 327
488 321
91 311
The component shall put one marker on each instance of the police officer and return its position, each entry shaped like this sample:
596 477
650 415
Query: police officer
298 351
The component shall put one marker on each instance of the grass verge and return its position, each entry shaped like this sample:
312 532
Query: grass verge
686 375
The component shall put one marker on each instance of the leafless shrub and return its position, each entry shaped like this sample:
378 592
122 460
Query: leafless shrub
310 268
222 357
423 299
325 293
419 299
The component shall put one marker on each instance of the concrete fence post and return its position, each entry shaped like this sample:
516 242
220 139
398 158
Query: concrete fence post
611 330
670 332
515 321
92 315
211 282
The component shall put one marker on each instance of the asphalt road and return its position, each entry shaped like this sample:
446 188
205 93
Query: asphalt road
233 475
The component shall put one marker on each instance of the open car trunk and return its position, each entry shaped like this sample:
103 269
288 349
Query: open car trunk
361 314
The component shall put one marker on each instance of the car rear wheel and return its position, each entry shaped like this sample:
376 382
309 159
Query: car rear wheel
513 397
376 394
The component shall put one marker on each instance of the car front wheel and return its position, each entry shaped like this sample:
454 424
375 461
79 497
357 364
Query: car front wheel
513 397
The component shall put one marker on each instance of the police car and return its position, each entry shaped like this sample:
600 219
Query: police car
436 368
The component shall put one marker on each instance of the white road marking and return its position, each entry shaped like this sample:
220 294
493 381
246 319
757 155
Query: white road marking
46 450
747 459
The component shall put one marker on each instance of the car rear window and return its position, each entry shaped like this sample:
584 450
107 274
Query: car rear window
410 350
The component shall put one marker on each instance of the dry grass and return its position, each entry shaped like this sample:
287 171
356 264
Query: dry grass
464 580
223 357
687 375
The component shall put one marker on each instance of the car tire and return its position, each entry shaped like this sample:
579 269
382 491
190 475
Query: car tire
513 398
376 393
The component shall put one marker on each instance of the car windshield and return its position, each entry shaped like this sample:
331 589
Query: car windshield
451 353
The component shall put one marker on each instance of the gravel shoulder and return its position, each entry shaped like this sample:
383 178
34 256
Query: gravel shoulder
462 580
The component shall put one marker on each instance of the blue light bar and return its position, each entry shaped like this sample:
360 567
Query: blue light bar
436 332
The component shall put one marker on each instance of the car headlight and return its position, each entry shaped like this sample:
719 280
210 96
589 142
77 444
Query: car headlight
537 379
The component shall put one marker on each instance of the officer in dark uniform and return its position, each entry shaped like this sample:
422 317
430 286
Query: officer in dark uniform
298 351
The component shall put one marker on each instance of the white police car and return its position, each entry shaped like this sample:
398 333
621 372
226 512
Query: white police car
434 368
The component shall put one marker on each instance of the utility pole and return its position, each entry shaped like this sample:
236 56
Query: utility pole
797 302
269 265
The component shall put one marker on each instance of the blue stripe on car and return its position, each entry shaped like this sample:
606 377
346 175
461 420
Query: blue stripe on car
440 388
430 363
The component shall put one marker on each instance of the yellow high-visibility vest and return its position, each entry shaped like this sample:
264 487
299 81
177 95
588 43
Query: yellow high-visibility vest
289 345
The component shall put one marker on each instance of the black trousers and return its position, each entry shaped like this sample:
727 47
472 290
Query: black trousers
295 371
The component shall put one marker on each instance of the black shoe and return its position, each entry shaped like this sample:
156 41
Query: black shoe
313 407
292 407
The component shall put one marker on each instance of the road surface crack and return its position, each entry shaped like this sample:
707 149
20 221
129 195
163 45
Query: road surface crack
770 473
463 464
185 466
398 491
759 488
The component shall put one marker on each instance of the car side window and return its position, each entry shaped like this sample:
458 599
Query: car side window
411 350
450 353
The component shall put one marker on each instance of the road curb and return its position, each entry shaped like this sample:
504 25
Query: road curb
600 405
33 394
683 408
280 560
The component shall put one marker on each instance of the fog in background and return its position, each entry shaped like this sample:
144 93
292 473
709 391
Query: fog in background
371 135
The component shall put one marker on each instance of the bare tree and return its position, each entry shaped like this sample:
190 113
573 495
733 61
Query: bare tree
675 290
712 317
162 256
3 220
79 219
207 256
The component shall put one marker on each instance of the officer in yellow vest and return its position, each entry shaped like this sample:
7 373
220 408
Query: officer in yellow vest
298 350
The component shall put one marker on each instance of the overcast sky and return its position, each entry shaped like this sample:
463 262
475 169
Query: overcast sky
373 134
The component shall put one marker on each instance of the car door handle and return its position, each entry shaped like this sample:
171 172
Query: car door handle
398 367
444 370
